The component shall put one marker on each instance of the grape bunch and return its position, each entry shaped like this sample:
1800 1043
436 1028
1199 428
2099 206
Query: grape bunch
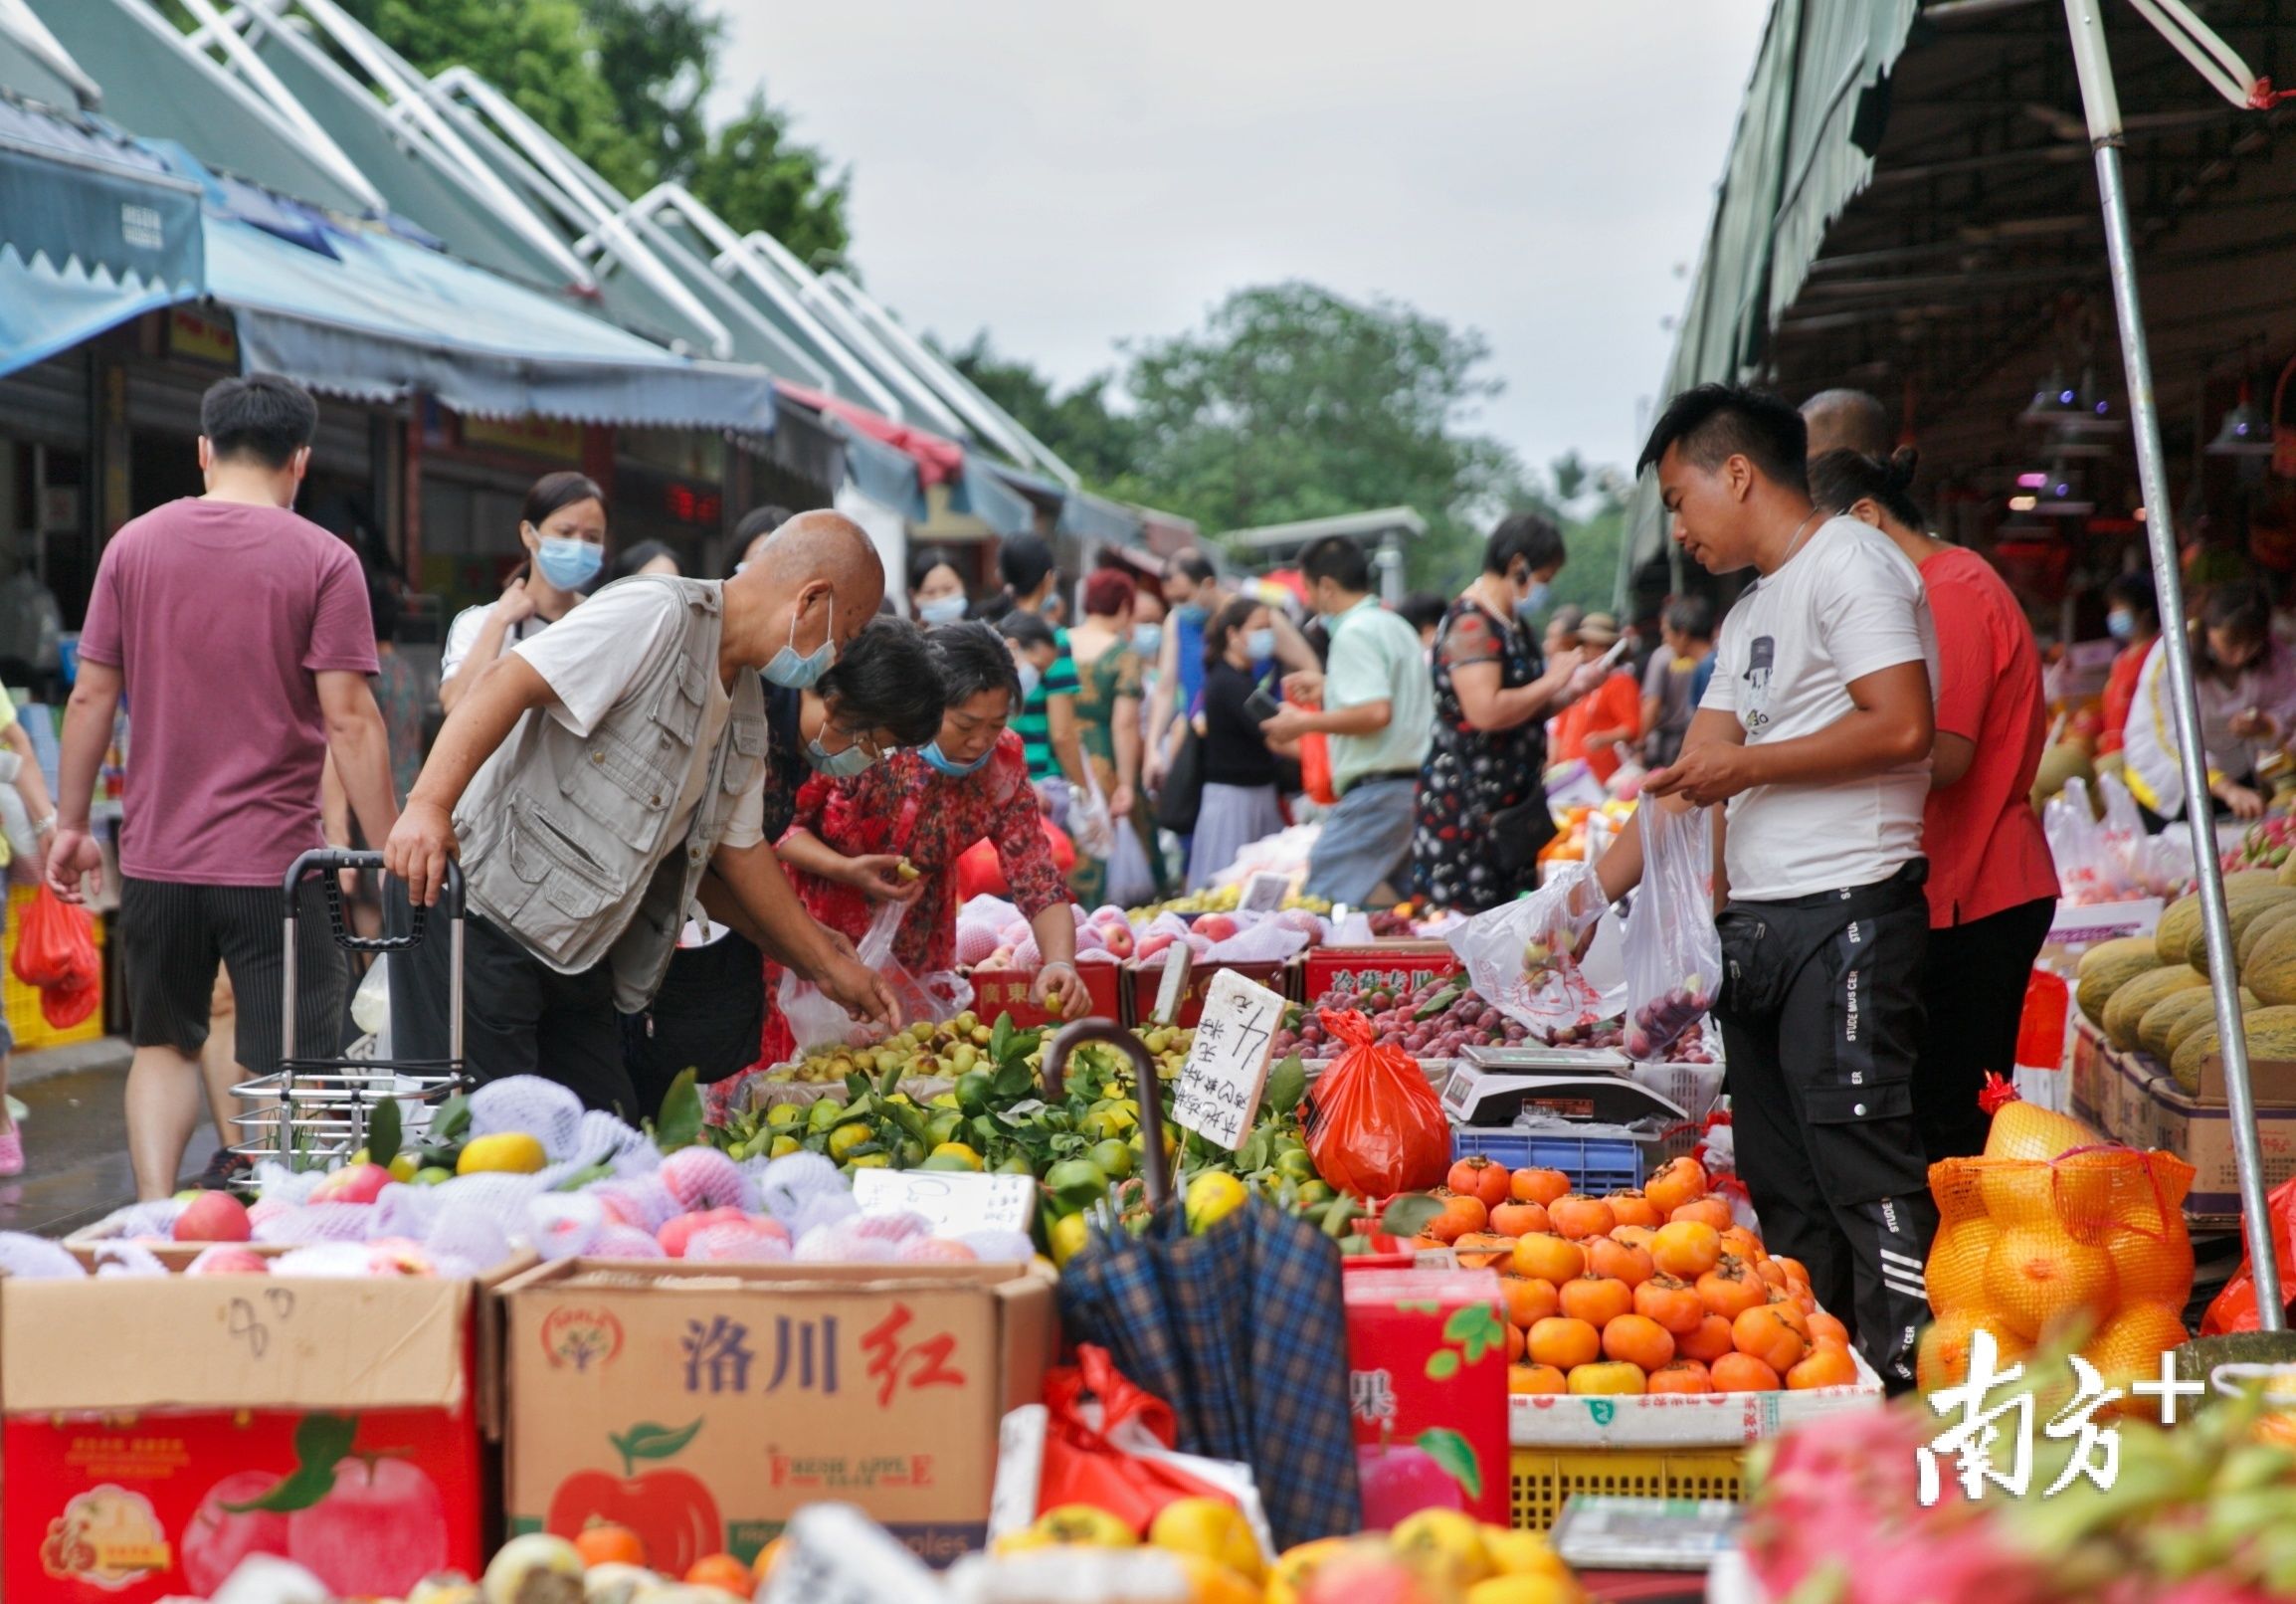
1437 1020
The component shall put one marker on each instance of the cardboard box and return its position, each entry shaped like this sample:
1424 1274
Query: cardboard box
2272 1082
1006 992
1398 965
2202 1137
703 1405
1145 981
2089 1064
1681 1419
133 1409
1427 1362
2078 925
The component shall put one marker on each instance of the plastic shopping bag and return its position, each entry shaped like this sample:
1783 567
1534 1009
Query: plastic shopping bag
1374 1125
2234 1308
1315 768
1088 822
56 944
2088 868
1082 1464
1524 957
816 1021
1674 955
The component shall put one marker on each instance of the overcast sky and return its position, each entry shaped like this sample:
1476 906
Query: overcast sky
1073 173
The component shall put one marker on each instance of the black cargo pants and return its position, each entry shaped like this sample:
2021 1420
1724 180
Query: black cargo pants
1821 1021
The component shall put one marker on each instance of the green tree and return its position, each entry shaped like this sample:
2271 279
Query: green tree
756 177
1293 402
659 61
1080 426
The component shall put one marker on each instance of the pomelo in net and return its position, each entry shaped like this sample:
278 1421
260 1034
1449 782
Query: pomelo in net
2151 1266
1955 1269
2023 1130
2128 1348
1942 1360
2039 1277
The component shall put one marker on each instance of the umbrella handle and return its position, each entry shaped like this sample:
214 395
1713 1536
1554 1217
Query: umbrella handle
1147 1088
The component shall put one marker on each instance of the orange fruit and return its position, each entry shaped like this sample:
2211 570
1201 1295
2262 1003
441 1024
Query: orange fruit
1597 1299
2153 1262
762 1565
724 1571
1477 1177
1540 1186
1528 1298
1482 1250
1608 1257
1531 1379
2038 1279
1686 1247
1682 1375
1682 1181
603 1543
1514 1343
1954 1271
1548 1257
1827 1366
1632 1236
1672 1303
1740 1243
1707 1341
1729 1290
1742 1372
1712 1210
1564 1342
1518 1219
1611 1379
1633 1208
2020 1129
1823 1327
1638 1340
1461 1214
1765 1333
1942 1358
1579 1217
1770 1270
1795 1272
2130 1345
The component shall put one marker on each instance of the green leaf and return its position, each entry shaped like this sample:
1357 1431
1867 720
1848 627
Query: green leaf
1286 1084
1442 1365
321 1441
383 1132
450 1119
1001 1038
679 1123
1013 1079
1409 1216
1477 1329
892 1079
649 1440
1456 1456
856 1084
1442 1000
589 1175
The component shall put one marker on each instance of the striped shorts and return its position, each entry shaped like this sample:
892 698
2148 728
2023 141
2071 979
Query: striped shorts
171 937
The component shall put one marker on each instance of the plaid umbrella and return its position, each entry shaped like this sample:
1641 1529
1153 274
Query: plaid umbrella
1243 1332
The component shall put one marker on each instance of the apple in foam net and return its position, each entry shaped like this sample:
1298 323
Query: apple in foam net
228 1258
1213 928
679 1232
1151 945
1117 936
213 1217
382 1530
215 1541
354 1184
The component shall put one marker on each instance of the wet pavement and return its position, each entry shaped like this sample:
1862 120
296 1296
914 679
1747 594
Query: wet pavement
76 1167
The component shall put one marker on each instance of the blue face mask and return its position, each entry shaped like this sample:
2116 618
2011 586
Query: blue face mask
1147 639
1260 645
1029 680
1534 603
2121 626
942 764
569 564
838 765
795 671
942 610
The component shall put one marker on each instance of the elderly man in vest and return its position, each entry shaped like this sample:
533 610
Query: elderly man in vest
603 777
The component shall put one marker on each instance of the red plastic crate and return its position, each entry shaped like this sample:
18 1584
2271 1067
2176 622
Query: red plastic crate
1006 992
1145 983
1405 965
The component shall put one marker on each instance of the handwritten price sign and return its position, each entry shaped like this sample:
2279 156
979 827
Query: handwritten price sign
1226 1068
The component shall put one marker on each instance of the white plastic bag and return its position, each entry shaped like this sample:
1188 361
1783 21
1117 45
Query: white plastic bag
2088 870
815 1020
371 1004
1674 955
1524 957
1088 824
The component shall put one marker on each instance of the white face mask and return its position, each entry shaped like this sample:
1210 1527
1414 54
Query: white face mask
1029 679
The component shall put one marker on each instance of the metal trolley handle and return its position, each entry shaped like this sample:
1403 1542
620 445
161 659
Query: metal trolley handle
325 861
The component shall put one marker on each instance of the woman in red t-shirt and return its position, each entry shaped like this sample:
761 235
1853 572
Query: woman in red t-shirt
2134 621
1992 887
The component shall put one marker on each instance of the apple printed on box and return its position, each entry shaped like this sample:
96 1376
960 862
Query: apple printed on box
670 1509
1428 1392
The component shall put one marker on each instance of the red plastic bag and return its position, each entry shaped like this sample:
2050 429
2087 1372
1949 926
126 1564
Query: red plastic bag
1315 767
1081 1465
66 1006
980 874
1375 1127
2234 1308
56 944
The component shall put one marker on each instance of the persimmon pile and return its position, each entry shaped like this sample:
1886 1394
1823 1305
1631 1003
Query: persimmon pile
1650 1290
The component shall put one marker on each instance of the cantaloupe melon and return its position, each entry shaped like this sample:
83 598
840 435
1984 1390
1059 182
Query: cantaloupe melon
2168 1022
2270 971
2242 911
2106 967
2129 1001
2272 917
2271 1035
2181 918
2287 875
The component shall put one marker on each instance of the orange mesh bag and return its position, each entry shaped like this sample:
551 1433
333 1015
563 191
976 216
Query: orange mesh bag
1375 1127
2056 1234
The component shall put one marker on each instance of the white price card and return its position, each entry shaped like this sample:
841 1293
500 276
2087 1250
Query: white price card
838 1556
1263 893
955 1201
1227 1070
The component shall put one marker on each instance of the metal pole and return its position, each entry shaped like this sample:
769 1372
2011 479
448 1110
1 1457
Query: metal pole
2102 103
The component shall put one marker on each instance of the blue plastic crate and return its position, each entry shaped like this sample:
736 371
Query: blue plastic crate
1595 1164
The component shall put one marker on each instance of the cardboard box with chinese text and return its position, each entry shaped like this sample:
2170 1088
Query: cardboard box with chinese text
703 1405
1401 966
1006 992
1427 1362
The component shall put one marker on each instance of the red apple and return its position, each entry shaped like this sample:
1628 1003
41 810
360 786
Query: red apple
354 1184
216 1540
1150 945
1118 938
382 1530
1213 928
228 1259
1401 1480
676 1233
672 1511
213 1217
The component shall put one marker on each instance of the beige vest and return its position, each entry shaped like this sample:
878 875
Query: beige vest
562 834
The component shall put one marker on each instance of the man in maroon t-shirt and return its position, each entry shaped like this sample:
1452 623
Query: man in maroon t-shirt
241 636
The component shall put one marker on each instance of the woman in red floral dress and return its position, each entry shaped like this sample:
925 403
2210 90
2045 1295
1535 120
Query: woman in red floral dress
928 805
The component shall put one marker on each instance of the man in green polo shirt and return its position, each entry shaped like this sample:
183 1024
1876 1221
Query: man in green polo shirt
1378 710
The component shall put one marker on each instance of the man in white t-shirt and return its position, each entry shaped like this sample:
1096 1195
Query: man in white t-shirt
1815 731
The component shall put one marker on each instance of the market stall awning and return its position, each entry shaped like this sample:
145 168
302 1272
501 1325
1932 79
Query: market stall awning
1094 517
383 318
938 460
34 66
93 231
981 490
882 473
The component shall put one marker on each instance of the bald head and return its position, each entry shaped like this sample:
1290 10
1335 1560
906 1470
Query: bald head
818 571
1847 420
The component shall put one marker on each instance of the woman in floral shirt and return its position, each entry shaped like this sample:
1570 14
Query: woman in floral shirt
928 805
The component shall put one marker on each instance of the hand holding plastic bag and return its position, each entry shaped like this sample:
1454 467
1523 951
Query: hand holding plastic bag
814 1020
1674 955
1524 957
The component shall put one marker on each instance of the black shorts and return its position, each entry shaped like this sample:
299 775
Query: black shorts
709 1016
171 937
